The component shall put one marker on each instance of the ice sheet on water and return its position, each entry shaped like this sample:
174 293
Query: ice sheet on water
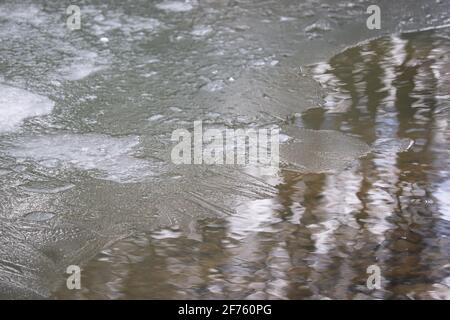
79 70
17 104
273 92
315 151
392 145
318 26
191 190
201 30
112 157
108 21
32 15
39 215
83 65
34 247
46 186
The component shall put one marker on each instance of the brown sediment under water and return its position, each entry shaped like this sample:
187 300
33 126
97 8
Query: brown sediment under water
315 232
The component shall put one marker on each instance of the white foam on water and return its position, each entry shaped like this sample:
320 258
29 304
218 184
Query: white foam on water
175 6
112 157
17 104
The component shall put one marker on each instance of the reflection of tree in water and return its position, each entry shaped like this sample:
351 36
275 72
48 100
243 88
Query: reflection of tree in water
392 86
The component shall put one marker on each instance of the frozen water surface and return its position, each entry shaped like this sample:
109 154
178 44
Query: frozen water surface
175 6
111 156
17 104
86 118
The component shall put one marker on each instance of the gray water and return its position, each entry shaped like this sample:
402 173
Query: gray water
85 140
